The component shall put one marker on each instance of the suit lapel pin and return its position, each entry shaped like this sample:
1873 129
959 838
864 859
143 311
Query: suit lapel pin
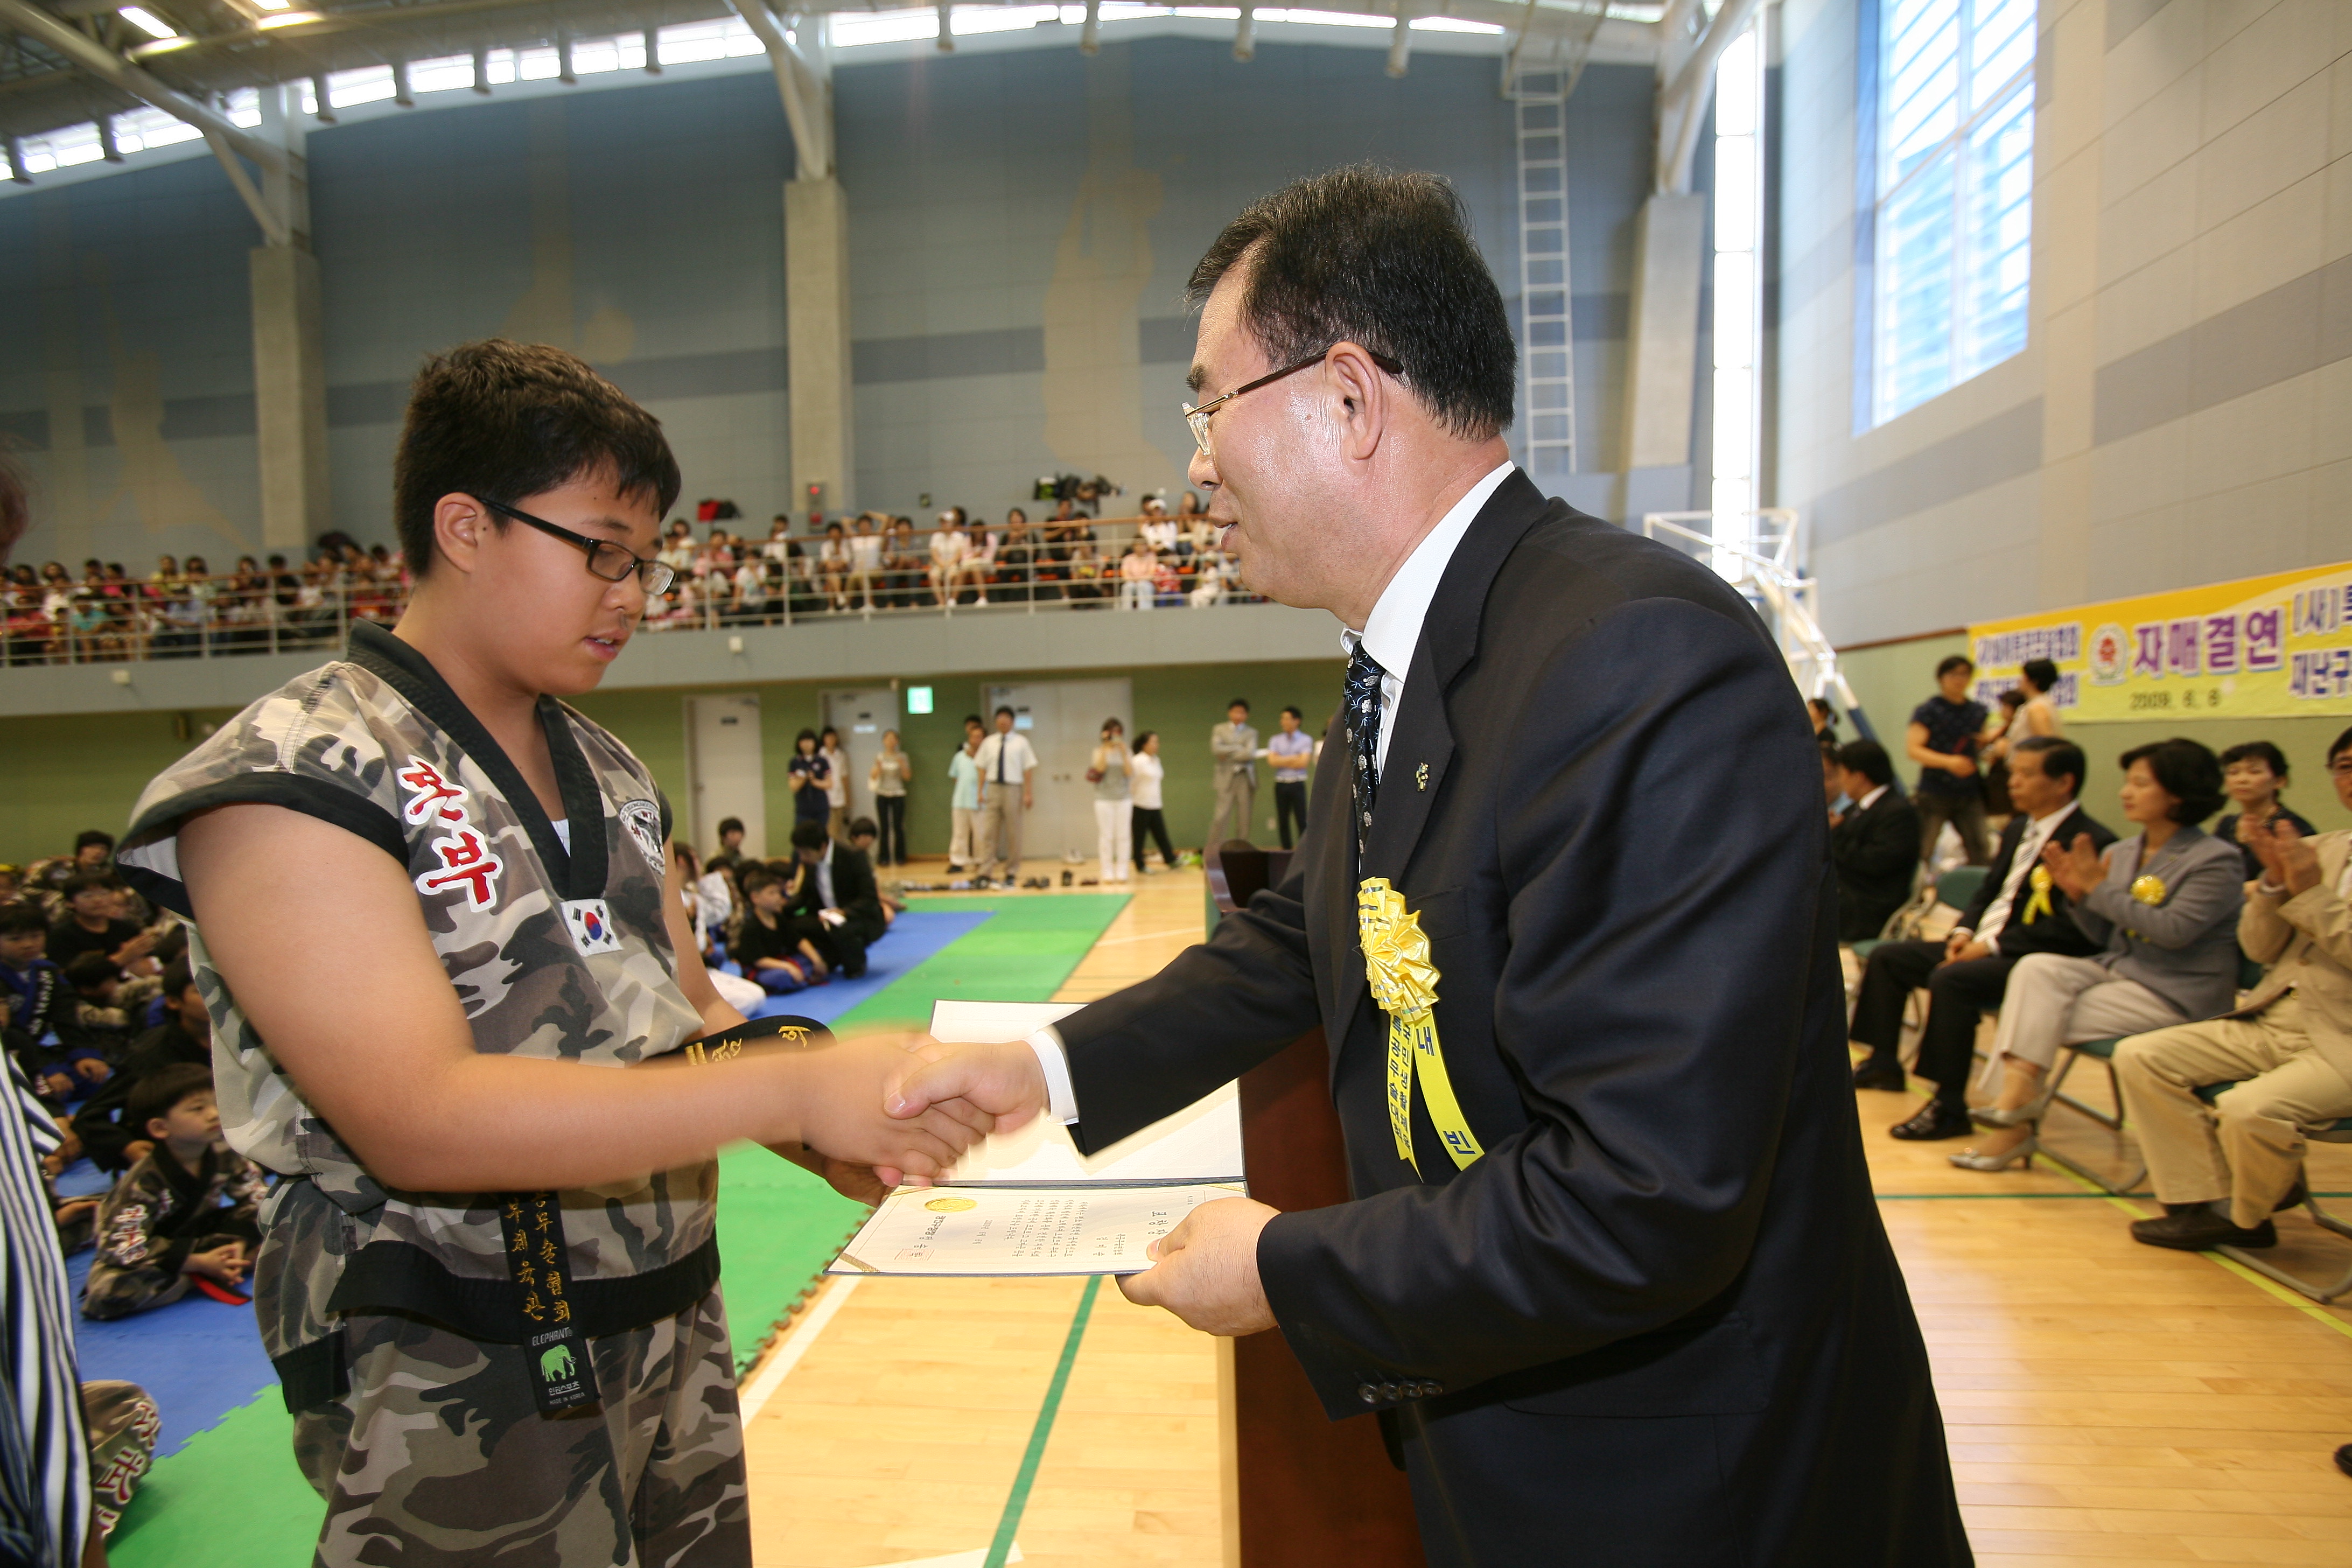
1421 777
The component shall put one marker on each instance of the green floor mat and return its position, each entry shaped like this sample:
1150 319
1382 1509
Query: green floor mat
232 1497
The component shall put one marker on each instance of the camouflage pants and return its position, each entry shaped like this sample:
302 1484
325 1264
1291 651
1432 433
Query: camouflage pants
438 1455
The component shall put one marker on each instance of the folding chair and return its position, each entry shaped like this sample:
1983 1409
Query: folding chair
1953 889
2333 1132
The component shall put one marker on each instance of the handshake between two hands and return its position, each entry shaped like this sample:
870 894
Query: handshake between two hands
935 1101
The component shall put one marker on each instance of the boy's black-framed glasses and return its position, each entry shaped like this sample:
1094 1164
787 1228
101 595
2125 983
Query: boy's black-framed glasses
607 558
1198 419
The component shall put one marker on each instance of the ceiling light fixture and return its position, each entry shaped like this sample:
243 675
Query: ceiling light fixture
288 19
148 22
272 4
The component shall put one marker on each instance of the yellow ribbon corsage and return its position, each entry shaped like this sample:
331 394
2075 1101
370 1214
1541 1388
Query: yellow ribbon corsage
1403 982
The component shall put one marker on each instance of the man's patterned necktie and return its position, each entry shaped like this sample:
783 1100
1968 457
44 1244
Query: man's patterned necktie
1364 673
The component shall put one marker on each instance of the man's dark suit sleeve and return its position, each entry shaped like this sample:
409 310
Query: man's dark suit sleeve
1881 845
1995 875
1660 839
1244 995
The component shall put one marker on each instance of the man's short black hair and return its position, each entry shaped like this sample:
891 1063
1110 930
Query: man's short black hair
810 836
728 825
863 827
1952 661
83 881
89 836
2261 752
1006 712
1867 758
2341 743
2186 771
1240 702
1382 257
2059 756
89 971
177 978
500 421
2042 672
22 918
971 719
164 1087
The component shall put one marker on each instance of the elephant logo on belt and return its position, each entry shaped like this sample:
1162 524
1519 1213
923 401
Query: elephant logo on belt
558 1363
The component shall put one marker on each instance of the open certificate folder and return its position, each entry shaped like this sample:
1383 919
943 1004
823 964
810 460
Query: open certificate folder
1028 1203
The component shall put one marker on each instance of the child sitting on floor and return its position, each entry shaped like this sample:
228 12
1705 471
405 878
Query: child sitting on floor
184 1213
764 944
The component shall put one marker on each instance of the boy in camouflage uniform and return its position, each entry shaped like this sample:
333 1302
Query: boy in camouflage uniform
457 1004
185 1211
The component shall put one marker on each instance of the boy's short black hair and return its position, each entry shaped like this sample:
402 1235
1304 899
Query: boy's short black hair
500 421
971 719
1295 714
1869 759
2261 752
89 971
1952 661
1006 712
178 975
2186 771
21 918
89 836
754 877
864 828
810 836
728 825
81 882
164 1087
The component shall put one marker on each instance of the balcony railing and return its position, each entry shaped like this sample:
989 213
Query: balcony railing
312 609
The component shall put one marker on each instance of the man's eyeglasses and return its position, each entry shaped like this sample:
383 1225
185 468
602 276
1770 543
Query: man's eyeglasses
1198 419
607 558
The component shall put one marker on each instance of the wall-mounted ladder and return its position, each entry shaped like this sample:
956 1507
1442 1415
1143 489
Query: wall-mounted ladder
1538 100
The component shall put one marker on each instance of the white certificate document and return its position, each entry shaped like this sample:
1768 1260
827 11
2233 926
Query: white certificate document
1032 1230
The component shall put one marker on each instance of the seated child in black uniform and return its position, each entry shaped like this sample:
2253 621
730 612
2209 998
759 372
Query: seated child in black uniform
184 1213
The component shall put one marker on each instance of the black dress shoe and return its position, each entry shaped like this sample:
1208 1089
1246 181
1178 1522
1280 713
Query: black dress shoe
2200 1229
1877 1074
1936 1120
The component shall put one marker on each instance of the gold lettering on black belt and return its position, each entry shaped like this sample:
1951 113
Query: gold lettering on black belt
561 1375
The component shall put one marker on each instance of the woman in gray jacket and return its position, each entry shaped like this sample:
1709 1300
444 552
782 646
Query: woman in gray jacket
2165 903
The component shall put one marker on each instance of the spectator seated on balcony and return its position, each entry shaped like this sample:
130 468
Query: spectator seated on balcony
1016 560
1137 570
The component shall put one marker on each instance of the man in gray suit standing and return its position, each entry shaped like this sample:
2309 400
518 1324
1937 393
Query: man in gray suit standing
1233 746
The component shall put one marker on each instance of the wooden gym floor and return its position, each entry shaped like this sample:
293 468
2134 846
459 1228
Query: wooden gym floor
2109 1404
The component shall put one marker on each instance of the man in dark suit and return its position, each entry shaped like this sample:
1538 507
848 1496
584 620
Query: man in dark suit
1616 1281
834 905
2017 910
1875 846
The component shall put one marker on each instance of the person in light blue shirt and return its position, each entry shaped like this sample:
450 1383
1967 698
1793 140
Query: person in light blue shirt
963 804
1290 749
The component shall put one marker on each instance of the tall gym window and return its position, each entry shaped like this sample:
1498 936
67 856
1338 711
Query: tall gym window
1955 193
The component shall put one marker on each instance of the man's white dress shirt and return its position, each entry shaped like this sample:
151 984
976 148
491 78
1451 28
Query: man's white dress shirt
1389 634
1006 757
2038 833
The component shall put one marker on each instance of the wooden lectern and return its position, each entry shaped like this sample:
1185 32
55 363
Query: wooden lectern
1300 1488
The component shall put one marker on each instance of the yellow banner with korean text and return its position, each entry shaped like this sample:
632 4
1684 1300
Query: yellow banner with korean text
2259 647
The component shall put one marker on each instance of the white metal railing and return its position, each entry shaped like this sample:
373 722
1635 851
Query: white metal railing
1070 568
1764 560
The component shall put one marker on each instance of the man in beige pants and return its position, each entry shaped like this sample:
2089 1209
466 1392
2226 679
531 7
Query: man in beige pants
2288 1050
1232 750
1007 760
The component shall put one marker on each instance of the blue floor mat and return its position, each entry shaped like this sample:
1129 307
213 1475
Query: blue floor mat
912 938
199 1358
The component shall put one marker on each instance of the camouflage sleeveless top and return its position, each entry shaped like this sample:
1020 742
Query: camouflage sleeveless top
554 953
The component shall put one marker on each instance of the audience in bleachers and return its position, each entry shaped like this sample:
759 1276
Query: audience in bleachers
2018 910
2254 772
1874 844
185 1212
1944 737
2163 904
2286 1053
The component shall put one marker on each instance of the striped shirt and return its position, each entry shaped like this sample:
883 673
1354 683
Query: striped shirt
43 1457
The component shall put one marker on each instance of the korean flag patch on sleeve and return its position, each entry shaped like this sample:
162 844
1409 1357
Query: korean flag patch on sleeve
590 922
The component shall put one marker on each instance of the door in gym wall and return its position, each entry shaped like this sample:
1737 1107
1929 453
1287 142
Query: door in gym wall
1062 720
861 717
724 774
